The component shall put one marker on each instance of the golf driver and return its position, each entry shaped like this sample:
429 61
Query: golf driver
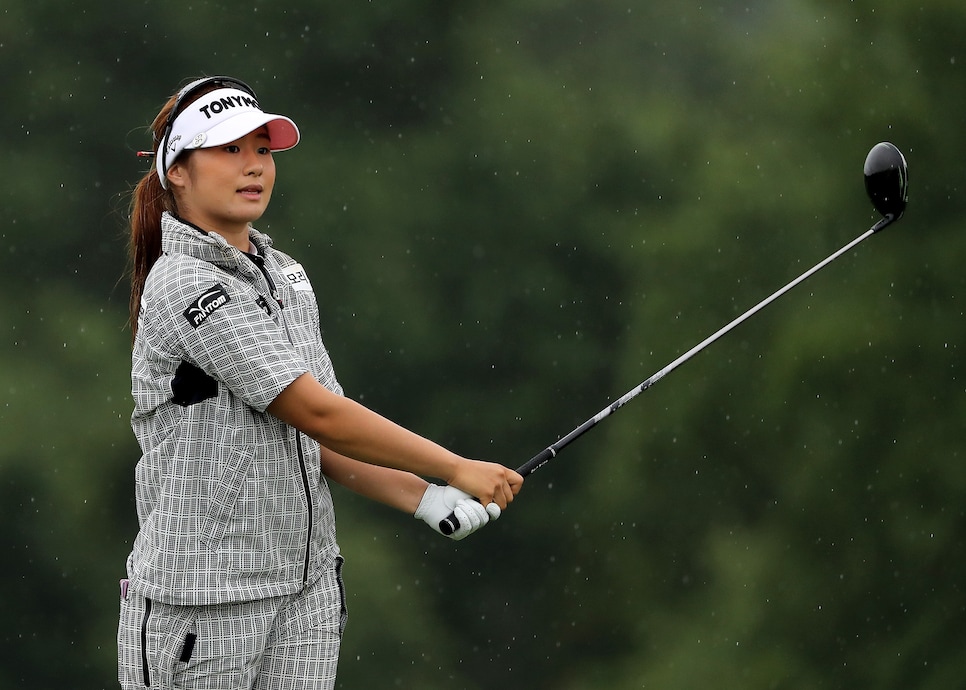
886 183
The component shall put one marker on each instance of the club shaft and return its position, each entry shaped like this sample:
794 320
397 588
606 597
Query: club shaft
450 524
551 451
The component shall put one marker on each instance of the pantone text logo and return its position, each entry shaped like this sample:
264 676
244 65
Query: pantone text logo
210 301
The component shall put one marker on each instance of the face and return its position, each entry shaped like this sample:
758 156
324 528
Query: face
224 188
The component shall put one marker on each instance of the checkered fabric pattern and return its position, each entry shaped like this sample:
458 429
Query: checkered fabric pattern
231 502
283 643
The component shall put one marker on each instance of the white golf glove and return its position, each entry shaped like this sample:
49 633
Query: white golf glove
441 503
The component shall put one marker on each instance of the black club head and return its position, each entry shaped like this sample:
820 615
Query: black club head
887 180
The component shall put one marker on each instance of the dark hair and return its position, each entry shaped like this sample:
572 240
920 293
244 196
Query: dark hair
148 201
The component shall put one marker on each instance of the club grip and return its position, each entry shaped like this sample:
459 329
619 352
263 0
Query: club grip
450 524
536 462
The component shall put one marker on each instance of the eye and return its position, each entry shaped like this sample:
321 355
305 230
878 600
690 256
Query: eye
264 150
232 148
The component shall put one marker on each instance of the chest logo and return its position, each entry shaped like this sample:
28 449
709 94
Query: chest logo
210 301
297 278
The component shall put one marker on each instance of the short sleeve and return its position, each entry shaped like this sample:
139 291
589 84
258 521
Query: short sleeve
223 327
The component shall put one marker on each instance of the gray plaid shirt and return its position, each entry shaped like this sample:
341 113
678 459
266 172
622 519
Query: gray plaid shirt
231 502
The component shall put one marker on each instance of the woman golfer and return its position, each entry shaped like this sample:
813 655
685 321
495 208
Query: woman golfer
234 580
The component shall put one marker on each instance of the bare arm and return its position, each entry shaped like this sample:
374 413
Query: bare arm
346 427
395 488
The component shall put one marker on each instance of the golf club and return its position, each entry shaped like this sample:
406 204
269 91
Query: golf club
886 183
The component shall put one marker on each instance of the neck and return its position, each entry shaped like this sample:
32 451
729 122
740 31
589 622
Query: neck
237 238
235 234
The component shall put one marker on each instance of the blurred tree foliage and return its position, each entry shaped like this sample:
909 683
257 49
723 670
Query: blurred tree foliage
512 213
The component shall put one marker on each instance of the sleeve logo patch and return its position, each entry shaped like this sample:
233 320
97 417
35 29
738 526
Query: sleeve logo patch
210 301
297 278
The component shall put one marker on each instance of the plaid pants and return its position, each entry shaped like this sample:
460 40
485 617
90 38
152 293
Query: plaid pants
283 643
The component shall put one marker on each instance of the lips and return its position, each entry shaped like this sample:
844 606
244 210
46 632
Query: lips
252 192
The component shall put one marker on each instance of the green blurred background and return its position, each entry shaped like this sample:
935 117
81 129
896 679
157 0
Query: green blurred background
512 213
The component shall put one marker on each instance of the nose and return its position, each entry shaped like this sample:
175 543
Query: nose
254 163
254 166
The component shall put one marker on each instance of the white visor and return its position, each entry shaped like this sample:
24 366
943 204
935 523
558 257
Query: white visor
218 118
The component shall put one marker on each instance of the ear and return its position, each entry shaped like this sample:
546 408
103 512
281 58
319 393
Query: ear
177 174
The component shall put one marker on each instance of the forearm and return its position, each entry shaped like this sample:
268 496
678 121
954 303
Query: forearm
346 427
395 488
351 430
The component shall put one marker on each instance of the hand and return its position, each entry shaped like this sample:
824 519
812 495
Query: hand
439 502
489 482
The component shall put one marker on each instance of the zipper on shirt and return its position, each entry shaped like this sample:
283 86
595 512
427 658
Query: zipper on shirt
259 261
308 500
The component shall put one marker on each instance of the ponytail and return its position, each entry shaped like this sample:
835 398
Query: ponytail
148 201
